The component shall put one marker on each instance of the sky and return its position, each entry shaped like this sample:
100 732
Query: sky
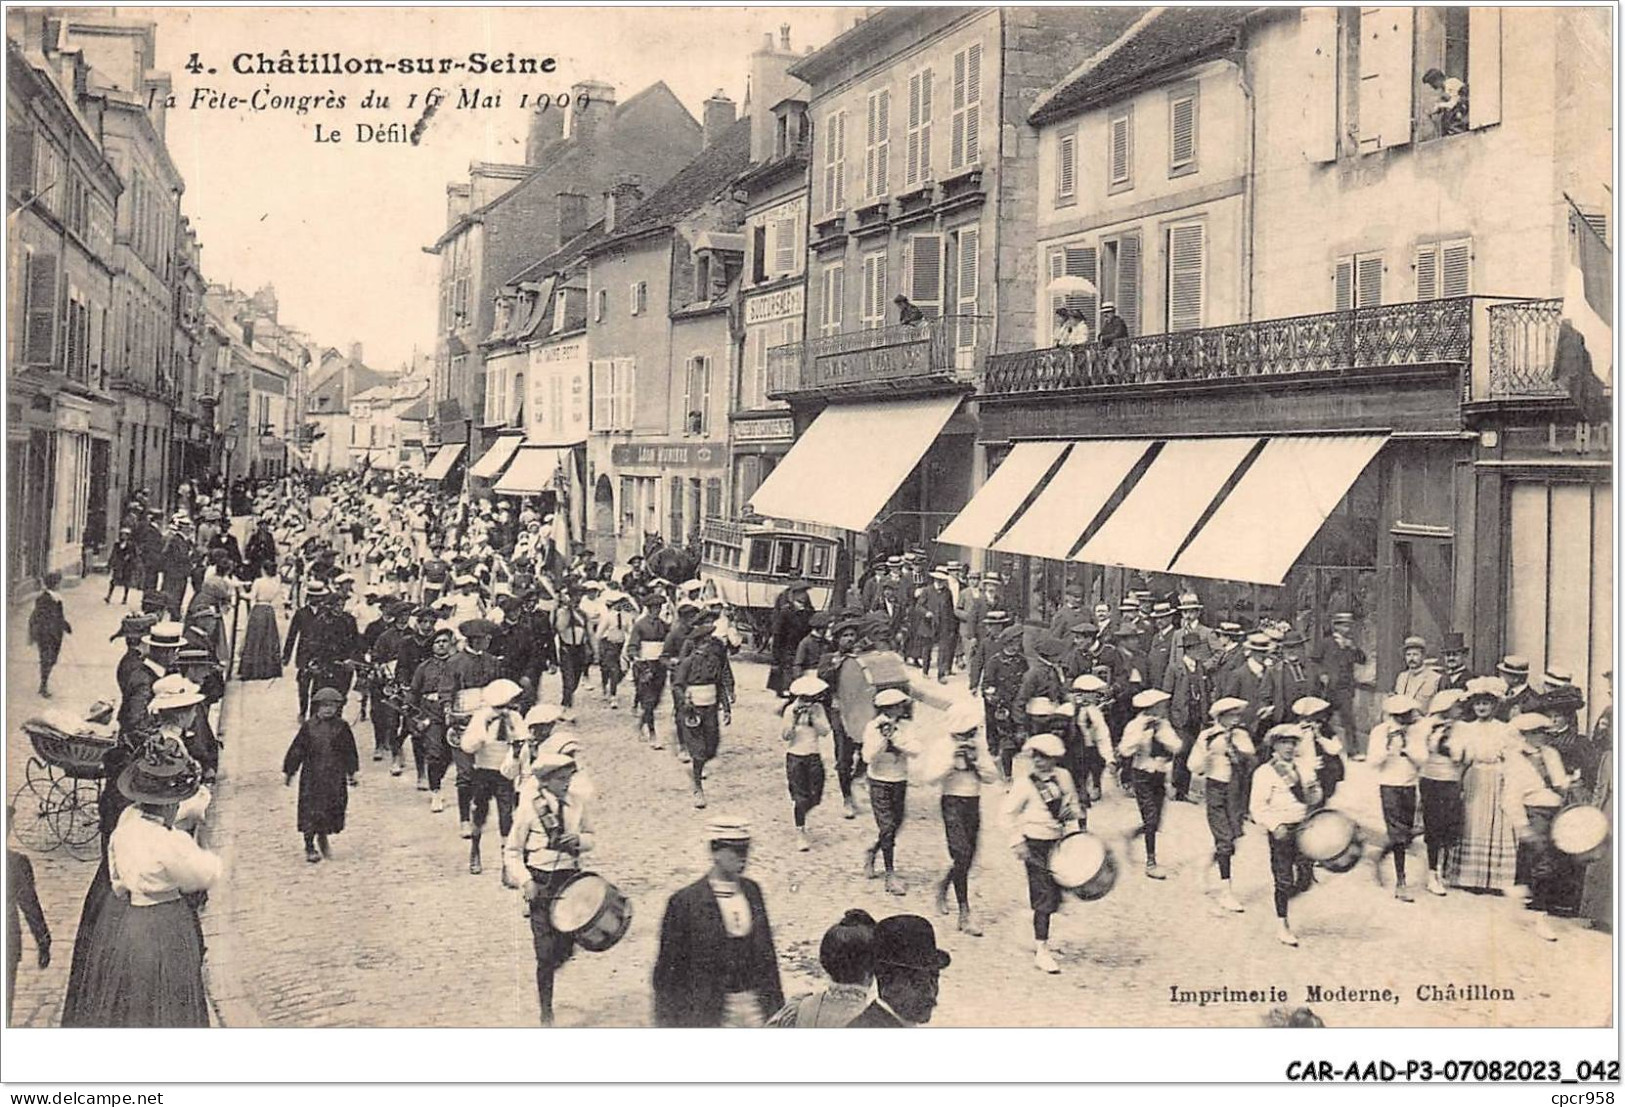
339 228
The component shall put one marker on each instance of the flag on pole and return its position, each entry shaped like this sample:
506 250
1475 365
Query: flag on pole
1584 363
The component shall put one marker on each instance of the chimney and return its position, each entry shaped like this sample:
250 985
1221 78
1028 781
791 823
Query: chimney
572 208
592 104
355 352
620 200
719 116
784 38
546 127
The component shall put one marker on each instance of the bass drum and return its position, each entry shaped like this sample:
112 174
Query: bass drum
859 679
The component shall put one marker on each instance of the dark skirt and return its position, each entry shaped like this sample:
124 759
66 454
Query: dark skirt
805 773
144 967
97 899
262 649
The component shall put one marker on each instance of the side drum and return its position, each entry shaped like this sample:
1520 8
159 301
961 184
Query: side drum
1083 865
1581 832
593 911
1331 840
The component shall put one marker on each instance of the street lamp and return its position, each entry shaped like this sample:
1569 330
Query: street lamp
228 446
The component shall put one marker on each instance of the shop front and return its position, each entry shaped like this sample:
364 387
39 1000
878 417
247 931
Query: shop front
760 441
668 488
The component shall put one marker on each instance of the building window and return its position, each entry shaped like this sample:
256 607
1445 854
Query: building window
1066 168
697 396
967 282
1120 277
924 270
874 289
1182 132
1444 269
830 298
965 126
786 243
39 308
1456 70
758 253
1120 150
702 276
1074 261
877 147
919 128
713 498
560 303
600 304
612 393
1187 264
639 297
834 194
1357 282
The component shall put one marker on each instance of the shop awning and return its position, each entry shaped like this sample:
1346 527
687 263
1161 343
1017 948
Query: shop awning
439 466
532 471
995 503
1083 485
1148 528
1275 509
846 466
501 451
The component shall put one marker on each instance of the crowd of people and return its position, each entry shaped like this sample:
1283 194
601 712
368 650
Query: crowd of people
442 615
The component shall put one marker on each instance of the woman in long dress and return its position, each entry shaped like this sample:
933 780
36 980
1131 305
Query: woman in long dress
1485 856
143 964
262 649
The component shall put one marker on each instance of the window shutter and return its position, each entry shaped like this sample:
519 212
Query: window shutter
1483 66
1343 285
1456 265
830 202
1066 166
840 160
784 246
973 103
926 91
925 273
39 339
1057 268
883 152
1185 266
1182 128
602 394
911 168
1120 151
627 390
966 283
1427 272
705 395
1317 46
1083 261
870 153
1128 281
1386 78
1368 281
20 159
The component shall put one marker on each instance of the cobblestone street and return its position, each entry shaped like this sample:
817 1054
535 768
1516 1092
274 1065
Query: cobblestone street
393 931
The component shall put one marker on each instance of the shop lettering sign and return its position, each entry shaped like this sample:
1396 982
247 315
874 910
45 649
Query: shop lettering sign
669 455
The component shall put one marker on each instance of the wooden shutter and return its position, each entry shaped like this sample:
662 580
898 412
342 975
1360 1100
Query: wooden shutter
1386 78
968 276
883 143
1128 281
1083 261
1456 266
874 290
870 143
1121 152
1317 105
626 389
20 160
1368 281
1343 285
705 394
1483 66
603 394
1182 131
831 170
1057 268
919 128
1185 274
840 161
39 337
925 273
1427 272
784 246
837 296
1066 167
973 103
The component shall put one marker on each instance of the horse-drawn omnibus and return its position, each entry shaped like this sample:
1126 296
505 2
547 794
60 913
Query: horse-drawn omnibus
749 564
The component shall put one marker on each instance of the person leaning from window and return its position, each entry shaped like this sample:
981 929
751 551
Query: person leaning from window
907 314
1449 111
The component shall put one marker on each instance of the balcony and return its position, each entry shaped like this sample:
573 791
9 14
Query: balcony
882 361
1426 333
1523 350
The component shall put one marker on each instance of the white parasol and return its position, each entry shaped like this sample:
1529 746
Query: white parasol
1073 286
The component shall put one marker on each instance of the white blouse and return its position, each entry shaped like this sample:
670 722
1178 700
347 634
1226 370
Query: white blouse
154 864
266 590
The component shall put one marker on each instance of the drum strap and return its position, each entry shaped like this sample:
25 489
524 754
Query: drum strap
1049 791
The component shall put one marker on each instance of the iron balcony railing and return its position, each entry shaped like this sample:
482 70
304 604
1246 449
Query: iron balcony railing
1523 348
949 349
1431 331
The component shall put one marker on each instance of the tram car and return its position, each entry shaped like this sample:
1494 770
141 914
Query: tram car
748 565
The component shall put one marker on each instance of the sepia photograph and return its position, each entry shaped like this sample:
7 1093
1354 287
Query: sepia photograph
969 517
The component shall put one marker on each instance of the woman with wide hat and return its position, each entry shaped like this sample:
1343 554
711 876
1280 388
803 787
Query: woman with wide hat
143 964
324 757
1485 856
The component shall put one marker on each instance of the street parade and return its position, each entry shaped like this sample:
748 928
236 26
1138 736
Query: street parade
457 647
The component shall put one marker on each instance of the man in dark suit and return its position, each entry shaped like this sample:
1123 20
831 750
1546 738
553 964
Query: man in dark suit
1339 654
1453 652
717 966
1298 676
908 970
1260 685
149 545
46 626
1521 695
177 560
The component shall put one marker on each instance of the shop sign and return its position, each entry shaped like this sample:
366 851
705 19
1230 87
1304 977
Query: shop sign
778 429
669 455
782 304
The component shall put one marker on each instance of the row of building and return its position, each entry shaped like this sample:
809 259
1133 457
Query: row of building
1342 243
126 368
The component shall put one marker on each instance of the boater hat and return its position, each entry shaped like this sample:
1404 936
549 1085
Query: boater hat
727 828
166 636
172 692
